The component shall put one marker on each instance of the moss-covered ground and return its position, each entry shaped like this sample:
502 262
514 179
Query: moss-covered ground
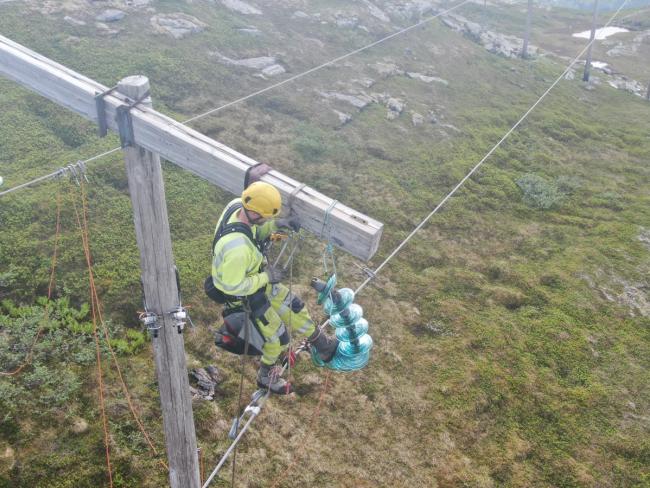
512 337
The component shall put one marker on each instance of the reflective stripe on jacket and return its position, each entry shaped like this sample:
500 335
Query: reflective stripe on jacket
236 261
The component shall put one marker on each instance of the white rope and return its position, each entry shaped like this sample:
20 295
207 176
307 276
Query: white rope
478 165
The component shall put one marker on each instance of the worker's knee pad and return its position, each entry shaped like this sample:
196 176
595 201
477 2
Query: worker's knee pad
297 305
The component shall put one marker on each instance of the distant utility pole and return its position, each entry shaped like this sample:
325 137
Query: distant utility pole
647 97
585 76
529 14
161 296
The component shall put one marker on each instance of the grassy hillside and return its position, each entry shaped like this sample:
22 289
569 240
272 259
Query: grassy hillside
511 335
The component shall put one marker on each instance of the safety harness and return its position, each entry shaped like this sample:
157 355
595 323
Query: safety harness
231 336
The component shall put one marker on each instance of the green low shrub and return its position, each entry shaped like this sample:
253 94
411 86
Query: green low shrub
539 192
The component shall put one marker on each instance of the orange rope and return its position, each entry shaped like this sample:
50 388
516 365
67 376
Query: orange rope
125 388
28 358
100 380
314 416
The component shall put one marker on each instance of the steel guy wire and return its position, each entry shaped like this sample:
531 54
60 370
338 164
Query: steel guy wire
263 90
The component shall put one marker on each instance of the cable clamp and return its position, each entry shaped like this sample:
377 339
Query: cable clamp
179 316
76 172
367 271
150 322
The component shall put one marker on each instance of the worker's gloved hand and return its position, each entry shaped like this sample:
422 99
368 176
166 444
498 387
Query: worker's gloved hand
292 223
276 273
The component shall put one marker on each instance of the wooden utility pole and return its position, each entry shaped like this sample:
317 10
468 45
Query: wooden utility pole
529 13
161 294
585 76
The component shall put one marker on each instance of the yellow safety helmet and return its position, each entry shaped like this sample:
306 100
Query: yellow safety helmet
262 198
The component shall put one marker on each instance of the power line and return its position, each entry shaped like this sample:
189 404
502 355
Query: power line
328 63
259 92
478 165
424 221
61 171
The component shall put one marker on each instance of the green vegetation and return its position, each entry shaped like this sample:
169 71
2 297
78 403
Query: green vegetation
512 342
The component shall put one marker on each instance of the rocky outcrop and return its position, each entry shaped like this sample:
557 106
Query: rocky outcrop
624 83
409 10
395 107
376 12
177 25
259 63
626 49
501 44
273 70
204 382
105 30
241 7
359 101
345 21
387 69
614 288
417 119
343 117
74 21
251 31
426 79
110 15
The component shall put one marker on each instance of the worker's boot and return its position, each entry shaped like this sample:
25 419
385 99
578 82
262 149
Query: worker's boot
325 345
268 377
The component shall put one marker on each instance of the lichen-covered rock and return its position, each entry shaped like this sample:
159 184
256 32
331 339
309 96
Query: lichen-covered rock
501 44
387 69
7 459
359 101
73 21
395 105
251 31
177 25
105 30
273 70
110 15
346 22
376 11
426 79
343 117
241 7
79 426
259 63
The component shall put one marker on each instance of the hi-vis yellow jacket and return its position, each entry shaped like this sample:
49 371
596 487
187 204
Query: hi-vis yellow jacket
237 261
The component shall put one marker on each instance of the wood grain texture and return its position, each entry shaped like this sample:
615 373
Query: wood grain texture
350 230
147 191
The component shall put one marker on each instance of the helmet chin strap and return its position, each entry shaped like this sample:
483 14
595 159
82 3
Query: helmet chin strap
250 219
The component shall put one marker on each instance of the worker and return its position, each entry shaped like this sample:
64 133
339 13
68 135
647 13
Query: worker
250 287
